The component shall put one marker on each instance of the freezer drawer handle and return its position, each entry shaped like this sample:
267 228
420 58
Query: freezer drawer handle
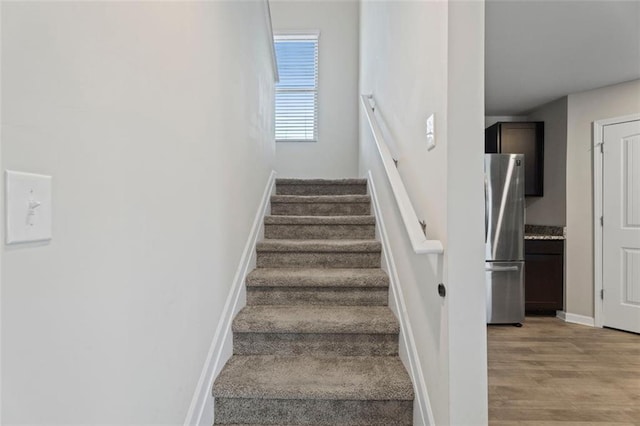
501 268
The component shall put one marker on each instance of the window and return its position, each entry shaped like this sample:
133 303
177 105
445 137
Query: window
297 90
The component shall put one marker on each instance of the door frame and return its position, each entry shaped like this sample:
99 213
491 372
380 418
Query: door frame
598 209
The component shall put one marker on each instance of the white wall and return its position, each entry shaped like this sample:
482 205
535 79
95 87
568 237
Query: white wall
445 79
551 208
490 120
155 121
583 109
335 154
406 90
465 276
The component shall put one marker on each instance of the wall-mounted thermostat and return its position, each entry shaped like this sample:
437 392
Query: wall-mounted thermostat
28 207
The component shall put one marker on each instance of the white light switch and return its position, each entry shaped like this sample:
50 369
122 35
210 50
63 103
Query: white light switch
431 135
28 206
430 123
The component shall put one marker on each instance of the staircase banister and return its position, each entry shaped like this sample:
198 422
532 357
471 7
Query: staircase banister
272 47
419 241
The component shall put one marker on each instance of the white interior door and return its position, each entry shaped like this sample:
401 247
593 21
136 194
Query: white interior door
621 226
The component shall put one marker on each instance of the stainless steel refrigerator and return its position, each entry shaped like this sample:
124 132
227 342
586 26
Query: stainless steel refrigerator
504 237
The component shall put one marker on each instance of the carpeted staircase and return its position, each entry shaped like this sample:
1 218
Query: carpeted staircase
316 343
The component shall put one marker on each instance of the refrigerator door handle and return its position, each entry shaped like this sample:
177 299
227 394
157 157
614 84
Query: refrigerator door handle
486 210
500 268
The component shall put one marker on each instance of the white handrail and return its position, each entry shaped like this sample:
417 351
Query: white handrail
272 47
419 242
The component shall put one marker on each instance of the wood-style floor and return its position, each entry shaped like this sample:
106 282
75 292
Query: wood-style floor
553 373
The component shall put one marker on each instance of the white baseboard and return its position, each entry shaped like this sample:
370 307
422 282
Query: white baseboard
201 409
424 414
575 318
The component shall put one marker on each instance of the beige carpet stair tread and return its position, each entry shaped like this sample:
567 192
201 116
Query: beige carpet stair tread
321 186
319 246
325 199
305 377
317 277
344 181
316 319
319 220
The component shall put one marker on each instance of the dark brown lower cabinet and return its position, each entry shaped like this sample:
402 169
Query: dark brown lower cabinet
544 277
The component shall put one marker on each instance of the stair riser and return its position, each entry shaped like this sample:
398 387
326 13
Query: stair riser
318 260
321 232
315 344
374 296
357 189
320 209
307 412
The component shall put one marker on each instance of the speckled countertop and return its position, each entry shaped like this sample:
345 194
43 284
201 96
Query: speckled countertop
543 232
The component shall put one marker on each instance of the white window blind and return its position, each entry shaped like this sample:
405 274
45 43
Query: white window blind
297 91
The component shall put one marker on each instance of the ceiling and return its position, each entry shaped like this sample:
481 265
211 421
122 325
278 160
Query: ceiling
538 51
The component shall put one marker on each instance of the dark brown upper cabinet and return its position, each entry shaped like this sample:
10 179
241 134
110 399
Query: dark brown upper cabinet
521 137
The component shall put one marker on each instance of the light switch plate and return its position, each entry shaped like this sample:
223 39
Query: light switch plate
431 136
28 207
430 124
